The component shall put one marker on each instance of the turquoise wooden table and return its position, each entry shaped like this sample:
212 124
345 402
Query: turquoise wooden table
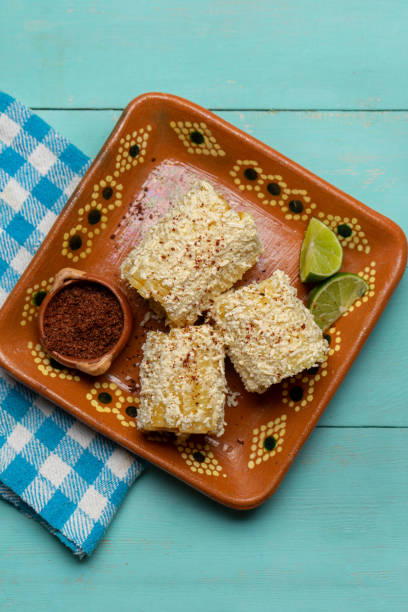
325 83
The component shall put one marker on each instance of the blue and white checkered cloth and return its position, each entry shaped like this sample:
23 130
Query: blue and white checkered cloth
52 467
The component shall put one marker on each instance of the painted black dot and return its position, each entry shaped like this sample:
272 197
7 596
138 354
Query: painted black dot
251 174
313 370
75 242
56 365
296 393
296 206
197 137
131 411
94 216
107 193
134 150
269 443
327 337
274 188
344 230
105 398
38 297
199 456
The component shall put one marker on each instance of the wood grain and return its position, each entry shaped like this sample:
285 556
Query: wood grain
334 536
291 54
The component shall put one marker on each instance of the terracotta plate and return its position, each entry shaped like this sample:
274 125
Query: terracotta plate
159 147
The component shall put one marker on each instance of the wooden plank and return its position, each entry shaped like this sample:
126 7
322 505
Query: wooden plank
336 531
222 54
364 154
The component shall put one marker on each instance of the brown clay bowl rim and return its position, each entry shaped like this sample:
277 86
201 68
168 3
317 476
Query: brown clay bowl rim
127 320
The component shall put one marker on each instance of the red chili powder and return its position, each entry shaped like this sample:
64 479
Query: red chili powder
84 320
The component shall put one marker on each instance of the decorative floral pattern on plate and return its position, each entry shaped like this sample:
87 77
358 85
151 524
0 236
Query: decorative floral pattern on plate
267 440
92 219
33 300
272 190
348 230
247 175
199 458
77 243
107 193
197 137
132 150
48 366
108 398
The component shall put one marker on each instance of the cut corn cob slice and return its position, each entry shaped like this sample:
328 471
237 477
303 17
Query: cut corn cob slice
183 382
268 332
196 251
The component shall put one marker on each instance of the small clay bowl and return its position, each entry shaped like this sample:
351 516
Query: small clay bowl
98 366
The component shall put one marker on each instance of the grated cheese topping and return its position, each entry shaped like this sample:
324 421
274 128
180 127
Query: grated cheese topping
145 319
195 252
232 397
182 381
268 332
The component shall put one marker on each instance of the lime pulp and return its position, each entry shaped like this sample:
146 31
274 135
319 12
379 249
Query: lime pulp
321 254
330 300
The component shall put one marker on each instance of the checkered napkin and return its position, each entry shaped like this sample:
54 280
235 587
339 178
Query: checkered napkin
52 468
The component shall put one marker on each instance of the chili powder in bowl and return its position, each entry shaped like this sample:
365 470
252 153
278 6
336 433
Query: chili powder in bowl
84 322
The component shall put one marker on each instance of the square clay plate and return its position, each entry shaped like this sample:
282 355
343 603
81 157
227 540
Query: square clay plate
159 147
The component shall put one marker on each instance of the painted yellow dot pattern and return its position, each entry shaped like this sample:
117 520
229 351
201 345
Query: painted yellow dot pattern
200 458
369 274
83 245
292 196
335 343
107 397
197 138
267 441
132 150
84 212
31 308
296 204
43 363
243 183
108 194
92 219
303 385
272 189
356 240
277 184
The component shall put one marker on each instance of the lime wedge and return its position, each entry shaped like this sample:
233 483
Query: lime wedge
328 301
321 254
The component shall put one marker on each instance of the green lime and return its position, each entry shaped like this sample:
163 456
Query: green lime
321 254
312 293
331 299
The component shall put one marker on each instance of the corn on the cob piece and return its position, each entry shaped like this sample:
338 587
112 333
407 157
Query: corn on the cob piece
196 251
268 332
182 382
